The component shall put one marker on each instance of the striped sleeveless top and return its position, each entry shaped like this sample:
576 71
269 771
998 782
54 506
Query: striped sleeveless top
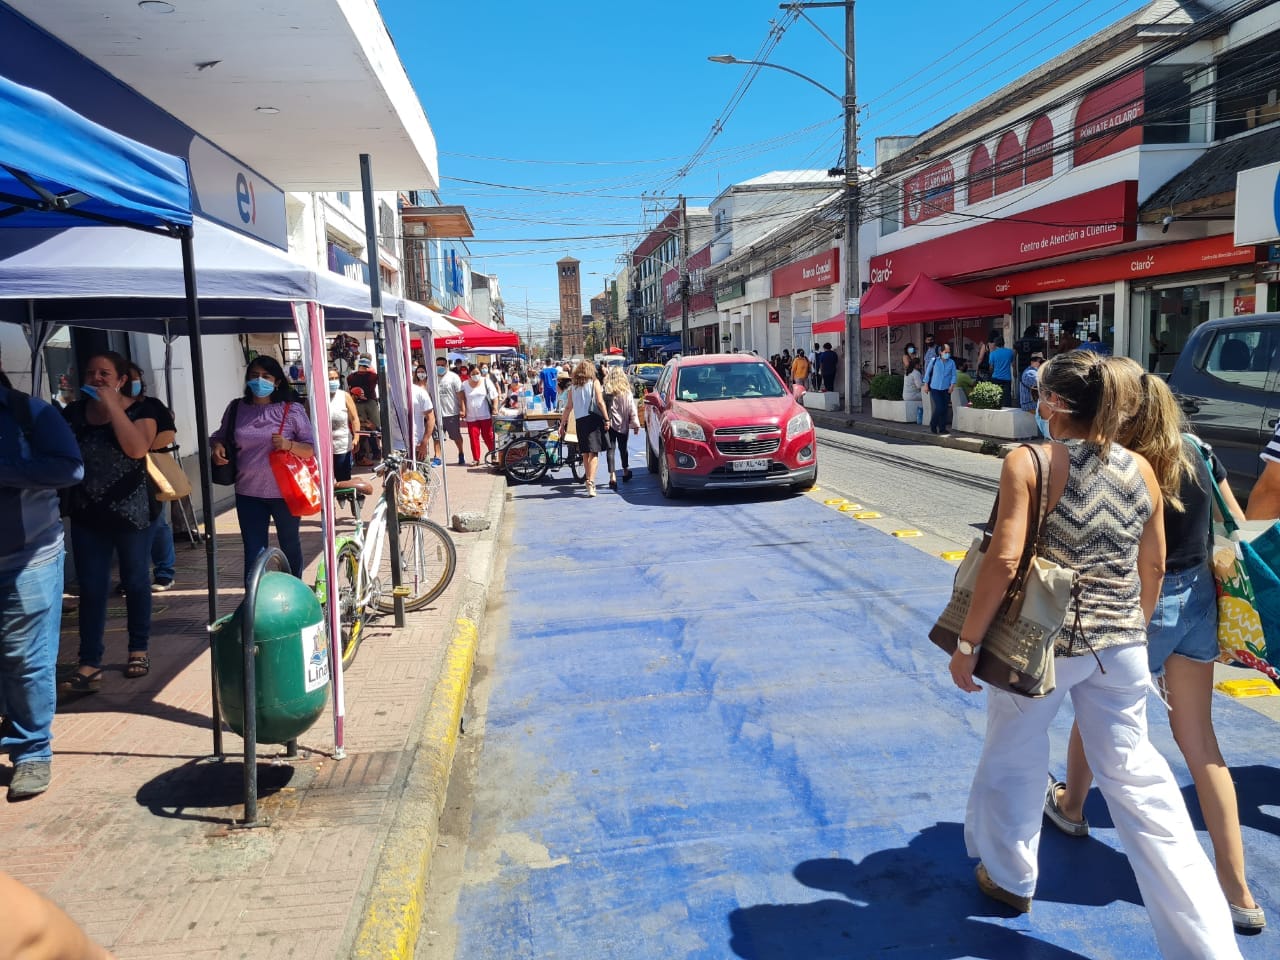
1095 530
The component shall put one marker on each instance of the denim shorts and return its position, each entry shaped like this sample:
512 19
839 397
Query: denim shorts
1185 621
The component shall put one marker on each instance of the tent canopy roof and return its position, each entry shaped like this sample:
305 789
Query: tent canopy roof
925 300
48 151
475 335
875 295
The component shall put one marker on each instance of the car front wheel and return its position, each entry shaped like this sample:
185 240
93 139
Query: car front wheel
669 489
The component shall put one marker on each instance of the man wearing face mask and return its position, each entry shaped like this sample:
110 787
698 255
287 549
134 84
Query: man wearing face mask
448 386
940 378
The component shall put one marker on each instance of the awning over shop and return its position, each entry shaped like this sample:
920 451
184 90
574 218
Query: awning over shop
925 300
475 336
462 313
876 295
54 164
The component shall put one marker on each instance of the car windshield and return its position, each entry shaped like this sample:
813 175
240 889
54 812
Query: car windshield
726 381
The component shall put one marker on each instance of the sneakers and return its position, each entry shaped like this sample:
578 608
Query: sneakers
160 586
999 893
1072 828
436 462
1247 918
30 779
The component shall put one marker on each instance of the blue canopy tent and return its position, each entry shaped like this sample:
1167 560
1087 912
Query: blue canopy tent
58 168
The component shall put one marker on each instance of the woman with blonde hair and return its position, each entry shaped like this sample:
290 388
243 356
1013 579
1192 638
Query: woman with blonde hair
586 405
1103 522
1182 637
621 404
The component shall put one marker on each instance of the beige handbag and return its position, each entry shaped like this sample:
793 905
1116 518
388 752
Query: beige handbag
1017 652
166 475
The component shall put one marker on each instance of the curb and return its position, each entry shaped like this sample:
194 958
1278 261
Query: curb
393 909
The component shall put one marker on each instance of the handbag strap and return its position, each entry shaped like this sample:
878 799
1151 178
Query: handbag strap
285 418
1228 519
1037 517
229 424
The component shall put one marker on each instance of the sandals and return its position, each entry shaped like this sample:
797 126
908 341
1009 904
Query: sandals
79 682
1052 810
137 667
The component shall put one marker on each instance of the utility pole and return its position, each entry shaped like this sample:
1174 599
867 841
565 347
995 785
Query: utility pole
684 276
853 213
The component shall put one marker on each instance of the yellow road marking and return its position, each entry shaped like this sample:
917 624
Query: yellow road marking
847 507
907 533
954 554
866 515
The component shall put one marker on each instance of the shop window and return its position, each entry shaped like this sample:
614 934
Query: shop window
979 178
1248 87
1008 164
890 211
1176 109
1243 357
1040 150
1171 314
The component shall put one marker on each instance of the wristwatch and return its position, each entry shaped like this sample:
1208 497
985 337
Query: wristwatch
967 648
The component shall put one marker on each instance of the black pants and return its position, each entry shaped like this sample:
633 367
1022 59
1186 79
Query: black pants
829 381
941 400
1006 393
618 441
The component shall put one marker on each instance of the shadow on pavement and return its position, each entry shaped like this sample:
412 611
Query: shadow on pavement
918 901
207 785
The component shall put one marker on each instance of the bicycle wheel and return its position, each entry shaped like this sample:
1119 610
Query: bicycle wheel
493 458
427 562
351 613
526 460
575 468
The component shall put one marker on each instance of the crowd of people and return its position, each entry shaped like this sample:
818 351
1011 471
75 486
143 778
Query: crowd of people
808 370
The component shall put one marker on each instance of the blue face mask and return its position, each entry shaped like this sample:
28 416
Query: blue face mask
333 386
261 387
440 371
1042 424
135 388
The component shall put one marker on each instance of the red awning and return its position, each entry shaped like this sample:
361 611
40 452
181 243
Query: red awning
475 336
925 300
461 313
875 295
615 351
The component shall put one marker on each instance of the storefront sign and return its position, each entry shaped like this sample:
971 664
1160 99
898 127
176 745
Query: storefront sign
1098 218
1243 306
731 291
818 271
929 194
1188 257
1109 119
232 194
774 316
1258 204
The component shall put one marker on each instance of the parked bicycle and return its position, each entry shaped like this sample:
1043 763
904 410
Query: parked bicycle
527 458
428 559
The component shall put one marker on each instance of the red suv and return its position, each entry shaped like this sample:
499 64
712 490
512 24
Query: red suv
727 421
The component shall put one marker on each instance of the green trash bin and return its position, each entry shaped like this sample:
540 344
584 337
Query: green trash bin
292 660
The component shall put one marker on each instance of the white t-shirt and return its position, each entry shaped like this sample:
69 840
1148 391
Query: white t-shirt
478 398
339 422
448 388
422 405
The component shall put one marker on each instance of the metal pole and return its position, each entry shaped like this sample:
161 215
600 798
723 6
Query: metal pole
206 481
853 208
379 346
684 276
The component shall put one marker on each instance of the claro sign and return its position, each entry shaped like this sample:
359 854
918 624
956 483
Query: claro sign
819 271
1095 219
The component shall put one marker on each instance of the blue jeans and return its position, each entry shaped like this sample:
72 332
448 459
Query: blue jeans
30 622
255 515
163 558
93 553
1185 620
941 400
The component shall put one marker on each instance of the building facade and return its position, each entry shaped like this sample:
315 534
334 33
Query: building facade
569 281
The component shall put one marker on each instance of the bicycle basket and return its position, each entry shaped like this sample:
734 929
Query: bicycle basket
413 494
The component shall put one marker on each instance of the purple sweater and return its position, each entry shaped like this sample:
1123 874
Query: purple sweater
254 426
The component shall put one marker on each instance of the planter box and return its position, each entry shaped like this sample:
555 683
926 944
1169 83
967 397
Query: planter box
817 400
898 411
1007 423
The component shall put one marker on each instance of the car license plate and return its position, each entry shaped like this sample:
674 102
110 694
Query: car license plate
743 466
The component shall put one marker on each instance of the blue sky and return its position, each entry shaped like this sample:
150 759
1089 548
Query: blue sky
593 107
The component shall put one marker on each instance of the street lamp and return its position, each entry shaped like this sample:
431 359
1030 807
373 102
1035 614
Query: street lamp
852 279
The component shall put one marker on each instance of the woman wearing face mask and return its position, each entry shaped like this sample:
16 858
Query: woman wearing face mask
908 354
163 558
268 417
110 514
912 384
344 426
940 379
1104 523
476 399
420 383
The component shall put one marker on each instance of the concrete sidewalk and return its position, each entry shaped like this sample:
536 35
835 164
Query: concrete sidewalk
135 837
916 433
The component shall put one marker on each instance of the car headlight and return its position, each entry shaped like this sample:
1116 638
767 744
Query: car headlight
800 423
687 430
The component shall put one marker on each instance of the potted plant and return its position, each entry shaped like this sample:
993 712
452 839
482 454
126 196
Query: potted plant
887 402
985 415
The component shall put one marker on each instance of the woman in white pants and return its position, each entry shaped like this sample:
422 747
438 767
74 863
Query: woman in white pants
1104 522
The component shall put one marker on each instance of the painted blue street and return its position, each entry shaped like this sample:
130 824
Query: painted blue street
715 728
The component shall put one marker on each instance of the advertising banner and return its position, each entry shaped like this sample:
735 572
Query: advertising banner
821 270
1110 119
930 193
1258 204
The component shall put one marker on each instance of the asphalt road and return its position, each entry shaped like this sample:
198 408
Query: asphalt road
712 728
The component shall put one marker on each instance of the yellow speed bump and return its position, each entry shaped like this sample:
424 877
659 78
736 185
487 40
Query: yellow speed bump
847 507
866 515
835 501
907 533
954 554
1252 687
